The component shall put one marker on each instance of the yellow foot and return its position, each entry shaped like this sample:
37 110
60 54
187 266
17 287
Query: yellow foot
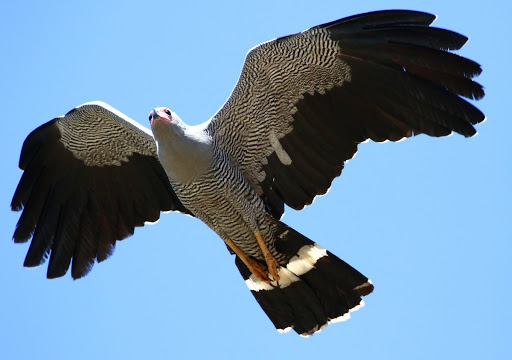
271 261
272 266
257 268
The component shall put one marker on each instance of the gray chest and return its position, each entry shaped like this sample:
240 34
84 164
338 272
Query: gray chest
186 168
185 160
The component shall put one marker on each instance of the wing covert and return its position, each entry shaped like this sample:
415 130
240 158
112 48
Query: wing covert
305 101
89 178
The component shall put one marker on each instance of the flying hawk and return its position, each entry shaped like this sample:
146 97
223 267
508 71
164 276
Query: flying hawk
300 108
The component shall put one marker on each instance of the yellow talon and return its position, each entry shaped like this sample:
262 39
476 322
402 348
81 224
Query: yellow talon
271 261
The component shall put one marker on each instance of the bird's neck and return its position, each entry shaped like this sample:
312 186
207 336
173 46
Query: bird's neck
184 151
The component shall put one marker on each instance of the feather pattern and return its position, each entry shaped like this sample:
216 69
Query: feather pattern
90 177
301 107
383 76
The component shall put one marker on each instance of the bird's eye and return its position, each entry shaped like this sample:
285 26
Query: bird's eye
167 111
150 118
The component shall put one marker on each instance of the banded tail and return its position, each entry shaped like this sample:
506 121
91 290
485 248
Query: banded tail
316 288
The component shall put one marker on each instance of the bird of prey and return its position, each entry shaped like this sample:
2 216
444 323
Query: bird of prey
302 105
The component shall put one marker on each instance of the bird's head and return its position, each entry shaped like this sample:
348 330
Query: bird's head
166 124
164 121
160 114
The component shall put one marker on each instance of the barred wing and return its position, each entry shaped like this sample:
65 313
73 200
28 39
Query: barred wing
304 102
89 178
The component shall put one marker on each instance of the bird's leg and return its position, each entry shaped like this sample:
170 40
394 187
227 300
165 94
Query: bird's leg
254 266
271 261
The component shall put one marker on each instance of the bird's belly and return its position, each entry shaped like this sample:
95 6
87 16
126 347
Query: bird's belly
225 201
230 207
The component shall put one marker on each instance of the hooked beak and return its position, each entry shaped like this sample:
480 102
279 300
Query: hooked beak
153 116
159 114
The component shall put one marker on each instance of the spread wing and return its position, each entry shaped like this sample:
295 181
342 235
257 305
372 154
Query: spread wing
89 178
304 102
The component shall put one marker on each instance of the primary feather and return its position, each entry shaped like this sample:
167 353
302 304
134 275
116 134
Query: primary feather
302 105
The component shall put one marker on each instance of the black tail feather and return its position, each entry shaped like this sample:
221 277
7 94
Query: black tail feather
315 288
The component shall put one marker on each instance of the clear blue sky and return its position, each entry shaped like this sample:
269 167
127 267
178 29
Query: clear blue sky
428 220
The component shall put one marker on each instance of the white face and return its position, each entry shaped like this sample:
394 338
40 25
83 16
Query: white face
160 114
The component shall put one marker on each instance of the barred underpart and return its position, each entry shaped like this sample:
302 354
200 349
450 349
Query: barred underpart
302 105
109 143
84 188
303 102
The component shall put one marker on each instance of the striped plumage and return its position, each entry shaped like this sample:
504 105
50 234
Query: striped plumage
317 103
300 108
79 199
219 197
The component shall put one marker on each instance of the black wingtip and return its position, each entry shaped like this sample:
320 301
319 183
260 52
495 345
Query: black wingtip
375 19
45 133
